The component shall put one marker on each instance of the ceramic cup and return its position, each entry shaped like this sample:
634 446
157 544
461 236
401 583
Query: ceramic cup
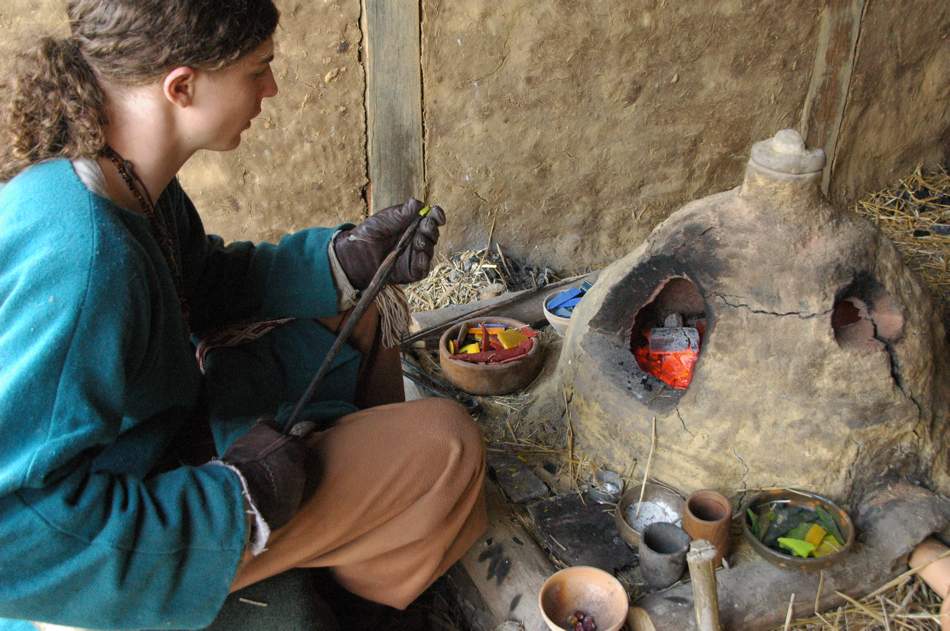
663 550
708 516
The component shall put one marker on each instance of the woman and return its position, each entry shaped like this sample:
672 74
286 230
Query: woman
107 278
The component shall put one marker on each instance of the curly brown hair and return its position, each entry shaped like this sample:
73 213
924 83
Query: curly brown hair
55 106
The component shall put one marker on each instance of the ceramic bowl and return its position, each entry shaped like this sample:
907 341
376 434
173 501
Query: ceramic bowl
557 323
805 499
660 504
588 589
489 379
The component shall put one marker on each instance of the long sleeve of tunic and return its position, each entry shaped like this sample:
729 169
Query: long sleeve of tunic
246 281
97 374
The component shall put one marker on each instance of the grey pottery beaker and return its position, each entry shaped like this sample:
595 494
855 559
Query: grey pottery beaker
663 554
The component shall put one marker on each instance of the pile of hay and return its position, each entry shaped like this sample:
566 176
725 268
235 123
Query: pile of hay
904 603
915 214
471 275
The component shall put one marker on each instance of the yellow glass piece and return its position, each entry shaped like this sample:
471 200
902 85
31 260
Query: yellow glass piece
492 330
511 338
829 545
471 349
815 535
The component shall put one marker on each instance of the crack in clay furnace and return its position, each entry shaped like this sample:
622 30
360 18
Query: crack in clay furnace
683 422
898 381
896 375
745 474
797 314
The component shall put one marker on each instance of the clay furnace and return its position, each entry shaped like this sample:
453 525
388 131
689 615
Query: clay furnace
822 358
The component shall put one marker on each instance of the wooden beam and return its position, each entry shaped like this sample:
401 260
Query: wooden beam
702 576
471 604
526 567
827 98
526 305
393 102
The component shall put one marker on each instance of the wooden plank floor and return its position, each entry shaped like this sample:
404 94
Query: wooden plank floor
507 568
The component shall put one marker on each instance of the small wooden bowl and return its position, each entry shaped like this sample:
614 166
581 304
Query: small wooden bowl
489 379
804 499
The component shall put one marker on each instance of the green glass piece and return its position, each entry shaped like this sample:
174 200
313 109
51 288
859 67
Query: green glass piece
829 524
754 522
797 547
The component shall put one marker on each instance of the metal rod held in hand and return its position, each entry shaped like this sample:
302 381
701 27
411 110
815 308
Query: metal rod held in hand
369 294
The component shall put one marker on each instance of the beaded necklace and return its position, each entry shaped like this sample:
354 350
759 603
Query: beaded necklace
157 224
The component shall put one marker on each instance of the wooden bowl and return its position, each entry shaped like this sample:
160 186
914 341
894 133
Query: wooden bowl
805 499
489 379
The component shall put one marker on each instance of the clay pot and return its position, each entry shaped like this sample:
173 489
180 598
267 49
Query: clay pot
588 589
802 499
708 515
663 503
663 550
489 379
936 575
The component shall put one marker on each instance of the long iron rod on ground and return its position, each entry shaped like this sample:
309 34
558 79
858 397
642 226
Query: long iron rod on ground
366 299
516 297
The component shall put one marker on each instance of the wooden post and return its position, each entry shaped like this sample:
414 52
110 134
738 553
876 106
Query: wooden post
827 97
393 102
702 576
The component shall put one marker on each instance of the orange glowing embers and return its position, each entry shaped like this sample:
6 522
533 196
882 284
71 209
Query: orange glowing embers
670 352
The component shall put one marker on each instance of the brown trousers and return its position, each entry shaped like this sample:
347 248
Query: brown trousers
401 493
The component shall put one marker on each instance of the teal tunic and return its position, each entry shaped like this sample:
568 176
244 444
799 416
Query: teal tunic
97 376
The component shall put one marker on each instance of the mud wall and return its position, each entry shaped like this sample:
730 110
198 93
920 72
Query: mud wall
898 112
580 130
576 128
303 162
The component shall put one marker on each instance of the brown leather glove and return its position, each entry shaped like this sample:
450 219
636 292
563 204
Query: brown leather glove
362 249
275 467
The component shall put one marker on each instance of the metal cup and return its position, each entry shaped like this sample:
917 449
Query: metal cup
663 550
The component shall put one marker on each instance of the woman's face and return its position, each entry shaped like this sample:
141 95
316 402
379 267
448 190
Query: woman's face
227 100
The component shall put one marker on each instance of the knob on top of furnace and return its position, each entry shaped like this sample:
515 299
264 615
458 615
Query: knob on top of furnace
786 153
